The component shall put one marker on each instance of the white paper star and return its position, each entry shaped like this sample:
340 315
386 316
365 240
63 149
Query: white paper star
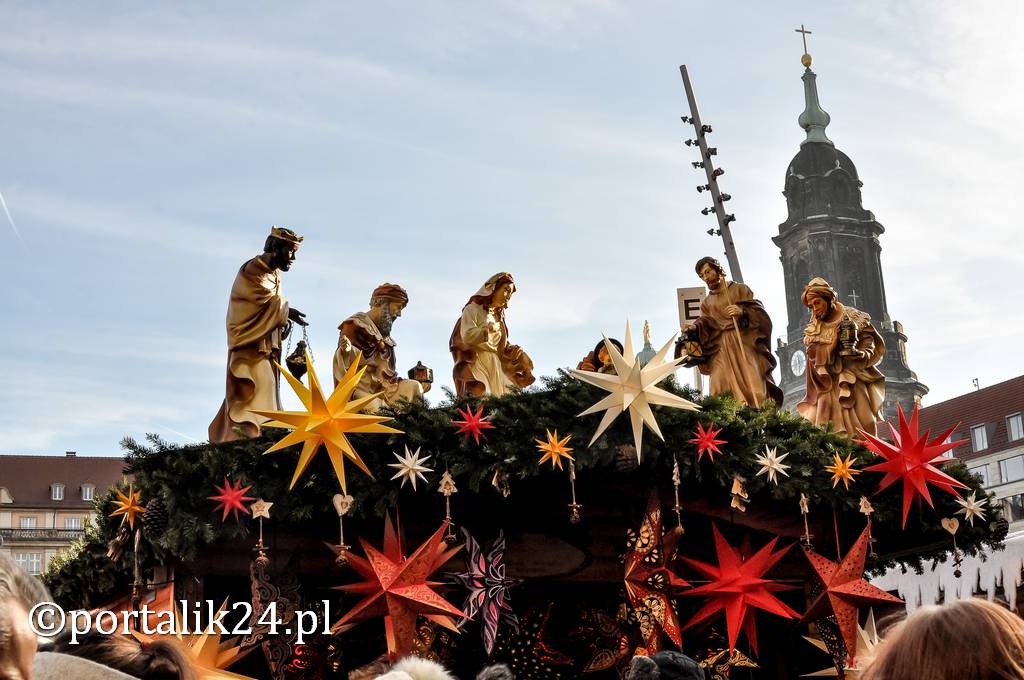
971 508
634 388
410 467
771 464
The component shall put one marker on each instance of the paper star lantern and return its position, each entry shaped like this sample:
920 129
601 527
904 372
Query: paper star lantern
327 421
473 424
650 584
633 388
707 441
397 588
488 587
771 464
845 589
971 508
128 506
909 458
554 449
410 467
231 498
738 588
842 470
867 640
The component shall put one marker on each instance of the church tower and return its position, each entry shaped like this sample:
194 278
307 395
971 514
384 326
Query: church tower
829 233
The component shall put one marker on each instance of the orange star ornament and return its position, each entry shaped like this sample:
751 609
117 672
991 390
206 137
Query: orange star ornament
554 449
128 506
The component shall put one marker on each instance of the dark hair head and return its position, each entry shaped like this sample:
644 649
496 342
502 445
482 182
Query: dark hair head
158 660
711 261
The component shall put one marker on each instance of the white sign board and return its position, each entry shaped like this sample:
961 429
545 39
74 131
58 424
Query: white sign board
690 300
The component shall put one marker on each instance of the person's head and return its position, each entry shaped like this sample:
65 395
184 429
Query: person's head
19 593
710 271
601 352
664 665
386 304
819 297
281 247
157 660
496 291
966 639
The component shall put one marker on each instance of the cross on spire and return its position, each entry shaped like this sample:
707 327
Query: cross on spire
805 33
854 297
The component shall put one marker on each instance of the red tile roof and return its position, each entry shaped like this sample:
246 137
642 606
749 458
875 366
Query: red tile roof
28 478
988 406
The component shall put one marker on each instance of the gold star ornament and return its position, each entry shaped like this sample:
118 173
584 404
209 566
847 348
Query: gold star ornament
842 470
128 506
554 449
327 421
261 508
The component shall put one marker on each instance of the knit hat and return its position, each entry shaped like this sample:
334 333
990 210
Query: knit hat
666 665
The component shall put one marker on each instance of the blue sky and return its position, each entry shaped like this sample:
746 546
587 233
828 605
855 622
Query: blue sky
148 148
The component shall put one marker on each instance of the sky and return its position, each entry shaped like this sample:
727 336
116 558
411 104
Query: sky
148 148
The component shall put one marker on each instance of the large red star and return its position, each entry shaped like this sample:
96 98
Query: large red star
910 457
473 424
650 584
738 588
232 498
845 590
397 588
706 441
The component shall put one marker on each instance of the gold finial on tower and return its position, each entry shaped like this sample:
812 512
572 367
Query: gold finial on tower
647 333
806 58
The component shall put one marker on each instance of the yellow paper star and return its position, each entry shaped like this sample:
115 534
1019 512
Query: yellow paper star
327 421
128 506
842 470
554 449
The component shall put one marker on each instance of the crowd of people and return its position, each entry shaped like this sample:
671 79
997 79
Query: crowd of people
966 639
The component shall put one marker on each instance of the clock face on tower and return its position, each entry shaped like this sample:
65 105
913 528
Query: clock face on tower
798 362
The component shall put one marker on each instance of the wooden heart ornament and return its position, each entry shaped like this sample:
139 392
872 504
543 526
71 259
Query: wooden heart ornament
951 524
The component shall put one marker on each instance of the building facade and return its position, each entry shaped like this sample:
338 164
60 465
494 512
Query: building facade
46 502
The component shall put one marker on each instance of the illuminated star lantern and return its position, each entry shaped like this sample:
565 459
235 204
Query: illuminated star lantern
473 424
842 470
327 421
971 508
738 588
633 388
771 464
209 654
867 640
845 590
410 467
707 441
397 588
231 498
909 458
554 449
488 587
128 506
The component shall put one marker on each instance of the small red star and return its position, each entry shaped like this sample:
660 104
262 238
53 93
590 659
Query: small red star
706 441
473 424
232 498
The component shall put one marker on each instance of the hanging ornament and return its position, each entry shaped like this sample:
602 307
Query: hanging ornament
865 507
575 509
473 424
845 590
128 506
633 388
231 498
446 488
707 441
650 584
719 664
740 497
909 458
805 510
488 587
771 464
842 470
342 505
554 449
738 588
327 421
261 510
952 525
971 508
410 467
398 588
867 640
677 481
501 484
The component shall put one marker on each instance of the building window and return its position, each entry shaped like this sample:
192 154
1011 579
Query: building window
30 562
1013 508
981 471
72 522
1011 469
87 492
979 438
1014 427
949 440
28 522
56 492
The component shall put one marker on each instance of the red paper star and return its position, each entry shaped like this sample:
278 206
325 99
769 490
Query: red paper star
845 590
738 588
910 458
650 584
706 442
232 498
473 424
397 588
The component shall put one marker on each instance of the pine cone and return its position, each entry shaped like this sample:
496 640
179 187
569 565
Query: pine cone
1001 529
154 519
